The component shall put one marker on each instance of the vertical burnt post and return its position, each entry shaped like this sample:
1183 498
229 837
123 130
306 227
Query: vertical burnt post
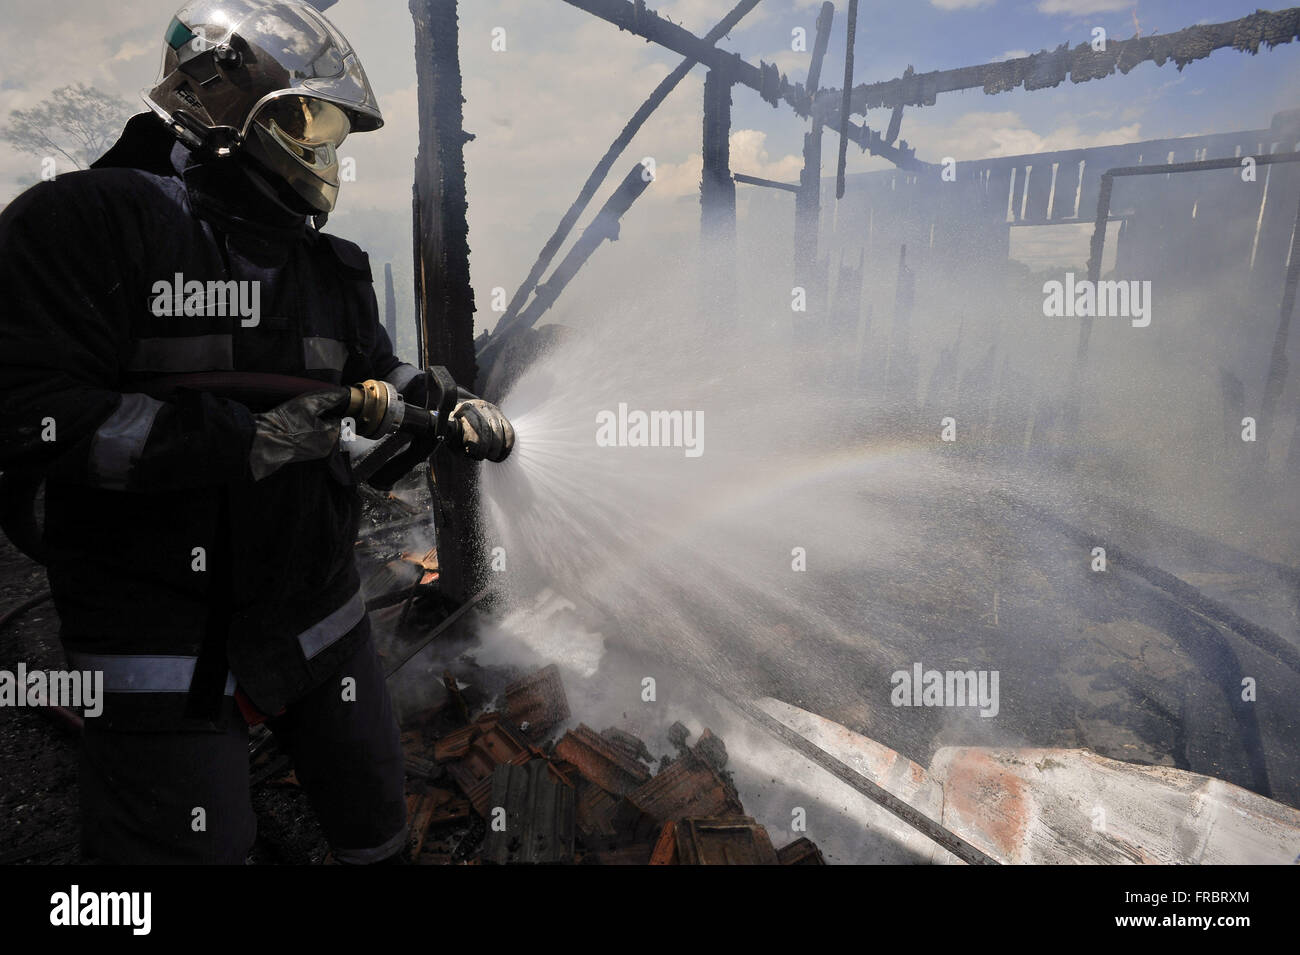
390 306
807 201
1072 414
718 202
846 101
444 298
416 231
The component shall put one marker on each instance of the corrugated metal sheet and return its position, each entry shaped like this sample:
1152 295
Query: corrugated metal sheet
530 816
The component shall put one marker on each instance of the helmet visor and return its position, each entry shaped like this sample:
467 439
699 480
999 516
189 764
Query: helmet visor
308 121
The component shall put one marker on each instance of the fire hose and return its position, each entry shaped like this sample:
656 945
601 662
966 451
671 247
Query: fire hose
374 410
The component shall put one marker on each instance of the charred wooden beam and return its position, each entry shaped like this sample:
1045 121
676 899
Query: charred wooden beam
390 306
718 203
1080 64
807 207
717 190
442 280
643 113
765 78
823 38
1098 242
635 18
845 105
902 155
444 297
807 203
417 230
604 227
895 124
769 183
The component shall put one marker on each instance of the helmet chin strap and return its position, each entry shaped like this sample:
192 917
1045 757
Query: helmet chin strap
281 199
238 187
282 196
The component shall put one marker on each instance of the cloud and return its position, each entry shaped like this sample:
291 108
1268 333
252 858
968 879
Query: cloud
987 135
384 158
700 16
749 155
960 4
130 49
1010 55
108 53
1083 7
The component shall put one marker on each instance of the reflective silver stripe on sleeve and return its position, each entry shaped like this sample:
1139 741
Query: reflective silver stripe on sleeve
120 440
184 353
402 375
324 354
377 854
139 673
320 635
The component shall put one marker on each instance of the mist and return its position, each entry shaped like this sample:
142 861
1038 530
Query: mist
872 477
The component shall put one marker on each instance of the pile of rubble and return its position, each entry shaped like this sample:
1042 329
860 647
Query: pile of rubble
498 788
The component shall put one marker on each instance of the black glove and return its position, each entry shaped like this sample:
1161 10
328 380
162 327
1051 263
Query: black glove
485 432
305 428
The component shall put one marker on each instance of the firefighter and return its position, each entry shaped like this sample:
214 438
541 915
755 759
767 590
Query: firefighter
199 549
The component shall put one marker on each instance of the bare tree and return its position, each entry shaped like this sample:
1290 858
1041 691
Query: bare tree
77 122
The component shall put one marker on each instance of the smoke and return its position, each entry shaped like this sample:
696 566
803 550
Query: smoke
815 534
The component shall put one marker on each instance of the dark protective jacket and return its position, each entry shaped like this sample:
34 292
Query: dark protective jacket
135 486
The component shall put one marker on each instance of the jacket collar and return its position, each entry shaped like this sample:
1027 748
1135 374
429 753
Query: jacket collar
223 191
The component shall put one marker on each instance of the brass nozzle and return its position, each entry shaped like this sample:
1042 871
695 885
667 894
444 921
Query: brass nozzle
376 407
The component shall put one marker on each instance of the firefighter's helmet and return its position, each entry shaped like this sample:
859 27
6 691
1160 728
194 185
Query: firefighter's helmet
273 80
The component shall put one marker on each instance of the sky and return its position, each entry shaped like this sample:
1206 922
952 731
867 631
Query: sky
544 109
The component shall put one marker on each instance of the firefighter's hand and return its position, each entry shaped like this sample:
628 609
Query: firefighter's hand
305 428
485 432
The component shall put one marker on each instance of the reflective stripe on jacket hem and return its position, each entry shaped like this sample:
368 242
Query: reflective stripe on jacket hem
141 673
149 673
317 637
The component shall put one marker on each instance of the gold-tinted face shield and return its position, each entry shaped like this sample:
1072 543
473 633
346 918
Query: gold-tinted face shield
307 121
297 139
